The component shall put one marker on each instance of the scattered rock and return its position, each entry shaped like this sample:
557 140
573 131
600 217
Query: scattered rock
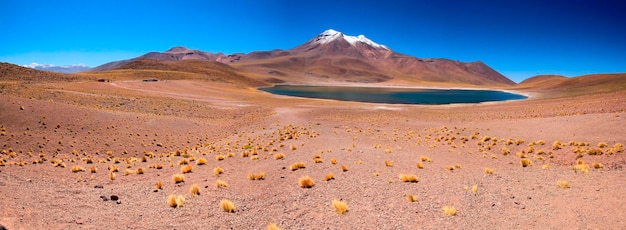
104 198
98 186
114 197
118 202
156 190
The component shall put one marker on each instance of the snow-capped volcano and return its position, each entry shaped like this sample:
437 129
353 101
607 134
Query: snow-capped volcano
331 35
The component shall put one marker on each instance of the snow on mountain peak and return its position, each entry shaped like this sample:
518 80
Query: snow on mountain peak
330 35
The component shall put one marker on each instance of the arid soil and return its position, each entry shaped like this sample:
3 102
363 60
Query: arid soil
50 130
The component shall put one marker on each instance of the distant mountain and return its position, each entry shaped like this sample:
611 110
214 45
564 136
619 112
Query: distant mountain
59 69
332 56
12 72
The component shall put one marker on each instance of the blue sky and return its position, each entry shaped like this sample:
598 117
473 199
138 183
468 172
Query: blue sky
517 38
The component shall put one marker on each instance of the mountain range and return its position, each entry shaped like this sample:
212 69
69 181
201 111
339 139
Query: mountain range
59 69
332 56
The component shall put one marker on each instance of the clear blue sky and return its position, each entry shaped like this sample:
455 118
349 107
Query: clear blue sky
518 38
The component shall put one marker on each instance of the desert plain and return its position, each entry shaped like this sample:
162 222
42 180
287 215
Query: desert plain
69 144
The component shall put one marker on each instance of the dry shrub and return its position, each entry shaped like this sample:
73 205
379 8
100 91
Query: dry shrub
219 157
258 176
474 189
408 178
139 171
306 182
220 183
159 185
344 168
186 169
227 206
333 161
201 161
420 165
597 165
217 171
128 172
557 145
388 163
178 178
449 210
77 168
526 162
546 166
329 176
194 190
93 169
272 226
581 167
411 198
425 159
279 156
488 170
111 175
340 206
562 184
175 201
296 166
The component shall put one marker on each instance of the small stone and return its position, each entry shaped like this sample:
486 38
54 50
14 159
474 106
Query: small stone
98 186
118 202
115 197
156 190
104 198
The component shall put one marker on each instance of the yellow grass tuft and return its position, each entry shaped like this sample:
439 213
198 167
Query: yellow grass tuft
175 201
449 210
411 198
272 226
220 183
581 167
139 171
279 156
306 182
474 189
597 165
227 206
159 185
388 163
557 145
526 162
186 169
219 157
93 169
296 166
340 206
128 172
408 178
317 160
488 170
420 165
111 175
333 161
194 190
602 145
178 178
344 168
77 168
546 166
201 161
562 184
450 167
258 176
292 147
329 176
425 159
458 166
217 171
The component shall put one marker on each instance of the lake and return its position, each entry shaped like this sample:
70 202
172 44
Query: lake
419 96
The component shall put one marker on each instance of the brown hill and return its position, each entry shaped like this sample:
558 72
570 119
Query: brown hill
559 86
11 72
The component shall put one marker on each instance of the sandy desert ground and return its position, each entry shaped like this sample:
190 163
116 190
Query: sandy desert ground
60 142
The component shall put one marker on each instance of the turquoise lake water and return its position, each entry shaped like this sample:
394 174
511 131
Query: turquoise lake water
394 95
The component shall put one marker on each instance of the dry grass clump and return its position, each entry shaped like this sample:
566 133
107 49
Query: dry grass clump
159 185
420 165
449 210
557 145
186 169
279 156
77 168
546 166
296 166
128 172
425 159
594 151
329 176
201 161
526 162
93 169
450 167
175 201
306 182
474 189
388 163
220 183
562 184
156 166
458 166
505 151
258 176
411 198
581 166
140 171
340 206
408 178
111 175
602 145
317 160
488 170
178 178
219 157
292 147
597 165
333 161
227 206
344 168
272 226
217 171
194 190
